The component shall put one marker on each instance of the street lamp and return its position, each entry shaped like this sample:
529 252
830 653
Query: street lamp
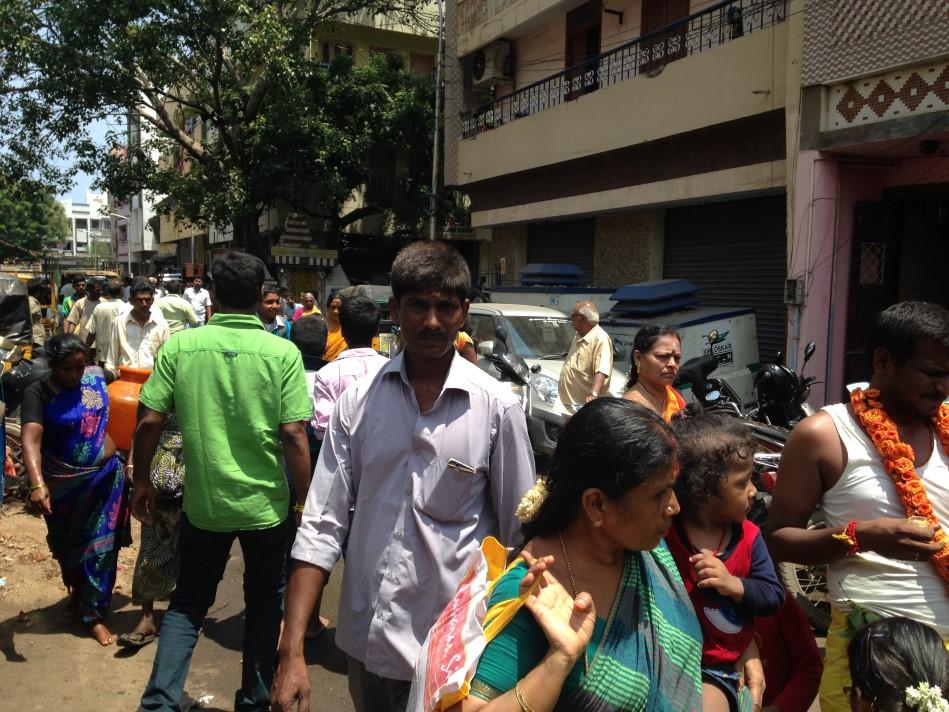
128 240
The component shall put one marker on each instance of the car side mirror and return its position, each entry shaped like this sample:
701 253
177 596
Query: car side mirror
485 348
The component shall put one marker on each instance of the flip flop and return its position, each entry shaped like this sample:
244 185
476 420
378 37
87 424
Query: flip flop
135 640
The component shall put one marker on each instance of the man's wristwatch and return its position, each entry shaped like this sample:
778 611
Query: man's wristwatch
594 394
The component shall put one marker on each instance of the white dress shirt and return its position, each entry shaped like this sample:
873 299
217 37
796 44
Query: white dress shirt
199 301
417 520
136 345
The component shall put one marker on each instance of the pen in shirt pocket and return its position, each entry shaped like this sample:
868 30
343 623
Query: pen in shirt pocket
461 467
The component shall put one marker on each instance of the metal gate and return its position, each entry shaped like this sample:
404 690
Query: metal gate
565 241
736 252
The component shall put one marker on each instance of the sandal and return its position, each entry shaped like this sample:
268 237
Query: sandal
135 640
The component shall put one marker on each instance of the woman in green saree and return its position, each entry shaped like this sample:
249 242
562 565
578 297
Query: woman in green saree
610 626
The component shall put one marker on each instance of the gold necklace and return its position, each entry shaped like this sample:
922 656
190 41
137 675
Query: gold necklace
573 588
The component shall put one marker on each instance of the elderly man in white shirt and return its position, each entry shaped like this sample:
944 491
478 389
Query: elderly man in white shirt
433 455
138 333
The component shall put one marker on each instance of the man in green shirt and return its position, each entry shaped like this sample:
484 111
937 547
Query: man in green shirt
240 396
177 310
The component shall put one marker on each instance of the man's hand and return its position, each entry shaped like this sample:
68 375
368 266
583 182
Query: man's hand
897 539
713 574
291 684
143 502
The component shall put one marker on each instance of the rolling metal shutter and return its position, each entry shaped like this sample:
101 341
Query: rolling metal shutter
566 241
736 252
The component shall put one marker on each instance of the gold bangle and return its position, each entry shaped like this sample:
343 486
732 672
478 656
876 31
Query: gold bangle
519 696
298 508
41 485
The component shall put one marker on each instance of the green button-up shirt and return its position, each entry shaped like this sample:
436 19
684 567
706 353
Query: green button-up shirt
231 385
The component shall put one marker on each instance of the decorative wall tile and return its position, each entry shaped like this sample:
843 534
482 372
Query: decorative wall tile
844 39
908 92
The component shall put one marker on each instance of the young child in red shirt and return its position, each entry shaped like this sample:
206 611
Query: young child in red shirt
721 556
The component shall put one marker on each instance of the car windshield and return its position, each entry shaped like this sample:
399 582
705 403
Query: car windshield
539 336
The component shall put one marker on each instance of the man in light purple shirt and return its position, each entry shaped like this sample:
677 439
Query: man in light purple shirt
359 320
434 455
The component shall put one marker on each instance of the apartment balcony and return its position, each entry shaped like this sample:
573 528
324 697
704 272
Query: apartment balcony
724 63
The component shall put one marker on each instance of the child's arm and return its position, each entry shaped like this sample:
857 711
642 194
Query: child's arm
763 592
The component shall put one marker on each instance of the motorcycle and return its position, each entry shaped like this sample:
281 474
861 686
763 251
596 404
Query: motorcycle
781 393
807 583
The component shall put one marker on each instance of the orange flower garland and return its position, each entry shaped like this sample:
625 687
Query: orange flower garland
898 460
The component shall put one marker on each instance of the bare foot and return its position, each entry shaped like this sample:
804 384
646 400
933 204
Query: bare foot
102 634
317 627
146 626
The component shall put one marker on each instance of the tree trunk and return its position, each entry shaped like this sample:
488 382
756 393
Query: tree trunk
247 236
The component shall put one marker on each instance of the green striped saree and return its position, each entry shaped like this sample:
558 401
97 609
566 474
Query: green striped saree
645 657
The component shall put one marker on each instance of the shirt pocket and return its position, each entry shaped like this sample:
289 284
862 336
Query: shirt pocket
447 494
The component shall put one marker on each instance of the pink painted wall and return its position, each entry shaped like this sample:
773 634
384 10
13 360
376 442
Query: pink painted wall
827 189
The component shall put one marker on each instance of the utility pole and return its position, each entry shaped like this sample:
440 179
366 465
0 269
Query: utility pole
433 203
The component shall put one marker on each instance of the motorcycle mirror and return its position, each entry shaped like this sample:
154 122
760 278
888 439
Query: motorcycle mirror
501 333
535 368
809 350
779 358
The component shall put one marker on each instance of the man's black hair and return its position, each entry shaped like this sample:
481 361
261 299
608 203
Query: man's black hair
174 286
429 264
77 278
359 320
238 277
113 289
899 328
309 335
141 284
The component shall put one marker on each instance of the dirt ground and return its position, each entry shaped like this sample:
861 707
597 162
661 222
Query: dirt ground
49 662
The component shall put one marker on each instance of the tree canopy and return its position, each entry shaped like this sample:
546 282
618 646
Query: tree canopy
30 220
234 113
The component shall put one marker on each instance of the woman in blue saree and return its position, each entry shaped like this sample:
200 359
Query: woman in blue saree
76 479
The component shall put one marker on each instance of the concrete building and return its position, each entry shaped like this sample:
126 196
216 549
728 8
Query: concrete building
90 227
871 193
637 139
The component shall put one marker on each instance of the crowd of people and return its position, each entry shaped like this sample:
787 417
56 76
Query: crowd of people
635 580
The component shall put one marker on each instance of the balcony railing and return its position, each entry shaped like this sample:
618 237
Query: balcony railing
696 33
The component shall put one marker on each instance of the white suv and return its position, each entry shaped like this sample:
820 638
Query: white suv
542 337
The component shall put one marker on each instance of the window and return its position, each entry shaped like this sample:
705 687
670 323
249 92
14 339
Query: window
872 262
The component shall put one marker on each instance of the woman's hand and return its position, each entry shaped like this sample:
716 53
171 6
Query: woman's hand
40 499
567 622
752 672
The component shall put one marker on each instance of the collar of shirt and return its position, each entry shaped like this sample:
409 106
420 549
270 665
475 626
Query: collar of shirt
356 353
237 321
589 335
154 316
456 378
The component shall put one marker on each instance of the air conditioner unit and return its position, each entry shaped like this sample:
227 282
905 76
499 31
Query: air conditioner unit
491 64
